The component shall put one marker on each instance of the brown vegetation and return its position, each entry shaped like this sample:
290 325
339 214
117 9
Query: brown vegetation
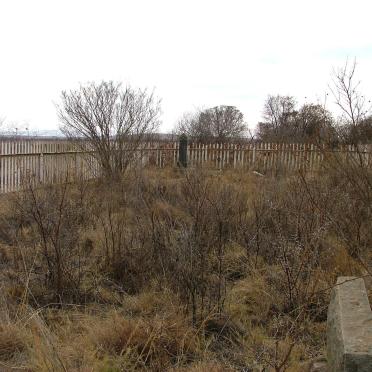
179 270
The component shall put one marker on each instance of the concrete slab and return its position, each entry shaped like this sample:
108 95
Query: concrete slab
349 327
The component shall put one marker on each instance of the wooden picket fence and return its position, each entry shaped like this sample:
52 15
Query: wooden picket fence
24 161
56 161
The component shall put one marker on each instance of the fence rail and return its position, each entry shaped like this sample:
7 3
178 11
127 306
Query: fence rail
46 161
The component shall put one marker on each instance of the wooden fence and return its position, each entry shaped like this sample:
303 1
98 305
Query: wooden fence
51 161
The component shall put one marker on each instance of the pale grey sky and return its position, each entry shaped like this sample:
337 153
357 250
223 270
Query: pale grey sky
194 53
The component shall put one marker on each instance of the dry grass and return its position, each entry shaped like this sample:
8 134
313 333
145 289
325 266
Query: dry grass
167 271
12 342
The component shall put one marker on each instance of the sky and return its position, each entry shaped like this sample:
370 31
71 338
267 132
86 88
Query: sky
192 53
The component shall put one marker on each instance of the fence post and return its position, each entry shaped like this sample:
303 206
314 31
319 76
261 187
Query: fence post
41 167
182 158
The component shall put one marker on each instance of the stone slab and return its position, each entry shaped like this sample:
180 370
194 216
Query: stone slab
349 327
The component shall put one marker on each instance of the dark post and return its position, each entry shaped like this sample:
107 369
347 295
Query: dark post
182 155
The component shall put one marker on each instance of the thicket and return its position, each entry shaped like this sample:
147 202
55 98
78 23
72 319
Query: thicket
179 269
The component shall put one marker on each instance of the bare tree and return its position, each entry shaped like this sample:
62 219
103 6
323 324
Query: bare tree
190 125
360 133
353 105
312 120
350 168
225 122
111 119
284 122
217 124
279 109
278 113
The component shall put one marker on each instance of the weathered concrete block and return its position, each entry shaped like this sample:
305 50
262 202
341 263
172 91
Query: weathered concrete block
349 327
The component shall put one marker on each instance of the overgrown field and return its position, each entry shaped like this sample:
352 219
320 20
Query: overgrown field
172 270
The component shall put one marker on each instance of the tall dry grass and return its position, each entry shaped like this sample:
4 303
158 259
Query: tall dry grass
175 270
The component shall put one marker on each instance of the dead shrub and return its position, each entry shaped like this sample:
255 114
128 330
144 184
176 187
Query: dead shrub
46 240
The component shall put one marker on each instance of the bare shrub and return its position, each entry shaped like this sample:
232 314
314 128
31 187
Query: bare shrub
47 227
110 122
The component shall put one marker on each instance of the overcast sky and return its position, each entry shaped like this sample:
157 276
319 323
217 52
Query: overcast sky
194 53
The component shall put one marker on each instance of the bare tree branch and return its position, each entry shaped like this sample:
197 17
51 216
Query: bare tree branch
353 105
